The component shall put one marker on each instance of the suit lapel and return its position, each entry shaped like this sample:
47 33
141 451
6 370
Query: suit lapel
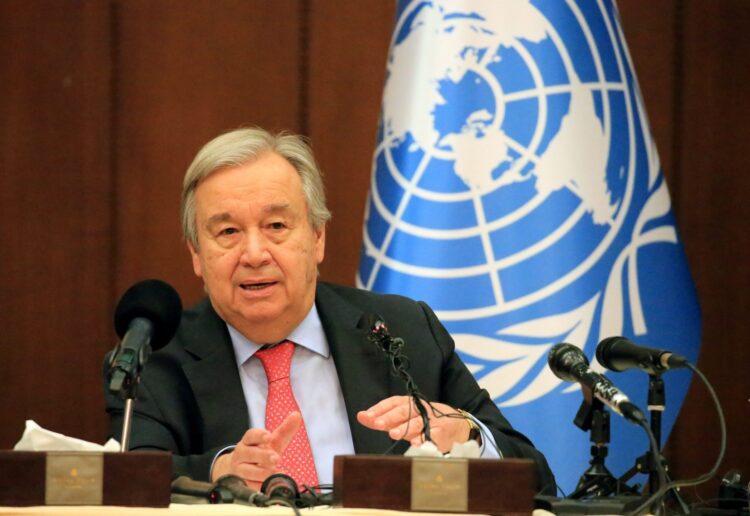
214 379
363 370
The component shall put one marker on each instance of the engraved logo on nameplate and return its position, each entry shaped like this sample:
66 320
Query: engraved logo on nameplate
440 485
74 478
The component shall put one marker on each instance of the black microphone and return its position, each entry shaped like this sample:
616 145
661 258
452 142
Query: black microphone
570 364
281 486
186 486
620 354
379 334
146 319
240 491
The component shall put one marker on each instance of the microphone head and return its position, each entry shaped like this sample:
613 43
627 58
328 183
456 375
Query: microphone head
155 301
608 350
373 323
619 354
563 358
280 485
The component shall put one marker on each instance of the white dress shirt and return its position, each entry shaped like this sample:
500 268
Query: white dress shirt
315 385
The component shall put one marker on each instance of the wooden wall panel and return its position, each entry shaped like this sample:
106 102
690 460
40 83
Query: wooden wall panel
650 29
714 188
185 72
348 47
55 192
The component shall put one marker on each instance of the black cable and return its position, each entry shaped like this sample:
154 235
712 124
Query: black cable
393 347
285 503
313 496
400 364
706 476
655 454
406 431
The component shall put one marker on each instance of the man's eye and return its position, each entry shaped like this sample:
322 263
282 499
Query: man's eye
277 225
228 231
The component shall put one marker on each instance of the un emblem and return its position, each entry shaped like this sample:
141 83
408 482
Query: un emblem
517 190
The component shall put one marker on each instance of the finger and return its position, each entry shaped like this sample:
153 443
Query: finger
253 475
283 433
261 455
383 407
256 437
408 430
398 416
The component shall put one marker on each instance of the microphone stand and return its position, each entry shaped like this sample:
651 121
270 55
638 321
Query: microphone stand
646 463
125 385
597 480
657 402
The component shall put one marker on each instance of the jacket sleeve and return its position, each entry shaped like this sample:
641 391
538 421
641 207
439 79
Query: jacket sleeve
161 430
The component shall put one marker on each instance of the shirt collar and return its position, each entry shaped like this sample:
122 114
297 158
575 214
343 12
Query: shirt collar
308 334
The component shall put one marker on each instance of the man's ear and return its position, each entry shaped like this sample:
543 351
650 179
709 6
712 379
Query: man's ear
197 268
320 243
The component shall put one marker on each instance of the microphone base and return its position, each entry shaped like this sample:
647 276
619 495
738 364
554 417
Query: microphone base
621 504
484 486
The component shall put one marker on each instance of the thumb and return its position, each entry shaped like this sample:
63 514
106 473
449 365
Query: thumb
283 433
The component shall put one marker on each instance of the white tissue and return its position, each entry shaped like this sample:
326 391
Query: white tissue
36 438
468 450
426 449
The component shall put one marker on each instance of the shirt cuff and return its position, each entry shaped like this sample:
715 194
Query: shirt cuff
485 451
224 450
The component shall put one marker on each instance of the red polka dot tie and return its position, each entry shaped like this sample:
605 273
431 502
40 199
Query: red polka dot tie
297 460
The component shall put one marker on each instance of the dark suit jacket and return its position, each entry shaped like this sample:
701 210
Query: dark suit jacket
190 400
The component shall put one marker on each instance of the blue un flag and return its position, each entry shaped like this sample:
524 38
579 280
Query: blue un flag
516 188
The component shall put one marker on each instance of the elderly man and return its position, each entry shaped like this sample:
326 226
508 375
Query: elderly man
272 372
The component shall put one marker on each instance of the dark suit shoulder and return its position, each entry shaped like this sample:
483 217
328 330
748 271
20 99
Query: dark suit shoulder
365 299
200 333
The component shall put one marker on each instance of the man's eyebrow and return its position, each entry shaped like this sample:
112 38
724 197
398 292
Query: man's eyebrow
219 217
226 216
275 208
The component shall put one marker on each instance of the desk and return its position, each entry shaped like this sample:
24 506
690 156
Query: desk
199 510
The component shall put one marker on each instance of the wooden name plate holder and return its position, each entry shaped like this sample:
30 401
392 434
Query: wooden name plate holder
486 486
134 479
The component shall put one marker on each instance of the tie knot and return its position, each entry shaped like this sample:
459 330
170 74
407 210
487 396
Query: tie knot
277 360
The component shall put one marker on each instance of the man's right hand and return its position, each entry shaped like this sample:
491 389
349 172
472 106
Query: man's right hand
258 454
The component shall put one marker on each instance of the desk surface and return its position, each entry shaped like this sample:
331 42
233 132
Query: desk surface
195 510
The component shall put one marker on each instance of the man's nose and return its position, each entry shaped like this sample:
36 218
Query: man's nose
255 251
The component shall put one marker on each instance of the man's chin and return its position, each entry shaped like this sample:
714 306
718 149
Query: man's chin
262 325
259 313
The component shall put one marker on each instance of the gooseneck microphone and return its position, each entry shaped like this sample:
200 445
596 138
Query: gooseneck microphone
146 319
569 363
620 354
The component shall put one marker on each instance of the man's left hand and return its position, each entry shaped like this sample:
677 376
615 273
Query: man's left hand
398 416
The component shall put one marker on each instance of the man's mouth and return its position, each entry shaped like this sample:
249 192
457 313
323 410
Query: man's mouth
256 286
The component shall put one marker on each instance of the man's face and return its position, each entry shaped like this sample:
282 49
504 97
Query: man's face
257 251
